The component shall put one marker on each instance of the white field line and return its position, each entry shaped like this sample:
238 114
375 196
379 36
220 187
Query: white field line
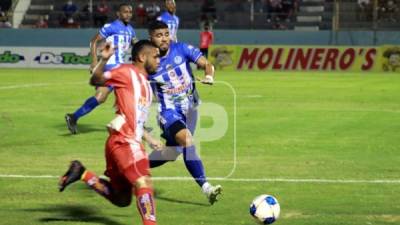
245 180
252 96
38 85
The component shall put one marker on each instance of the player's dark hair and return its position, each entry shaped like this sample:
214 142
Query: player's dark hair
155 25
139 46
120 6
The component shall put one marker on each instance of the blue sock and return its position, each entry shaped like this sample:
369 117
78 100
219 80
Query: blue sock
194 165
86 108
155 159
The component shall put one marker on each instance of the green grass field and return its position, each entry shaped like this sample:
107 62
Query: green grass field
325 144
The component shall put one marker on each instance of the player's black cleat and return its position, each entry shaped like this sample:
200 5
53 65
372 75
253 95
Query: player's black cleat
71 123
74 173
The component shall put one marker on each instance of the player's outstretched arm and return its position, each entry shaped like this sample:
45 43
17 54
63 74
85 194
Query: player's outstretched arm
93 50
97 78
208 68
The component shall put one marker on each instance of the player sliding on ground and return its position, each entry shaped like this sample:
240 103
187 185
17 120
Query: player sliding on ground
121 34
174 86
127 162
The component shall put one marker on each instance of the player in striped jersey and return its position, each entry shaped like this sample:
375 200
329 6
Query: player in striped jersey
120 34
169 18
174 86
127 163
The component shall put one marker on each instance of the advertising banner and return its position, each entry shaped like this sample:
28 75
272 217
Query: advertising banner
234 57
39 57
306 58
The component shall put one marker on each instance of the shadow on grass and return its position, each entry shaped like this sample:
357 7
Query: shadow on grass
161 198
73 214
82 129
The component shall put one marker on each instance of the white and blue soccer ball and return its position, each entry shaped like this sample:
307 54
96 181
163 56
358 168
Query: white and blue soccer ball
265 209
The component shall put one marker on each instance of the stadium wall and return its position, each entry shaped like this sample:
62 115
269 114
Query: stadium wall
81 37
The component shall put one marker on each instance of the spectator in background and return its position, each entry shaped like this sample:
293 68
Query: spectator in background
69 9
208 12
141 15
206 39
5 5
364 11
289 8
42 22
85 16
152 11
101 14
274 10
4 23
70 23
392 10
387 10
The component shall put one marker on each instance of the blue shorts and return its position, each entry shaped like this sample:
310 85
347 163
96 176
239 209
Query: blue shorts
169 117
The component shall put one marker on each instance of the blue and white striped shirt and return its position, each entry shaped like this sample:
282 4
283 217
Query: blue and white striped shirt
120 35
174 83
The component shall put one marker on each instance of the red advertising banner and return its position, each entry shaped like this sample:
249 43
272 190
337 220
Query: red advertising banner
307 58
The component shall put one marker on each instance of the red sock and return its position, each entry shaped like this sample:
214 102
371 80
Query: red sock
146 206
99 185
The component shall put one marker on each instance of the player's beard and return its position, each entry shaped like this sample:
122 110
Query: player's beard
163 52
149 69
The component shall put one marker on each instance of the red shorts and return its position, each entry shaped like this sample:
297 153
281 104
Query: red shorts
125 162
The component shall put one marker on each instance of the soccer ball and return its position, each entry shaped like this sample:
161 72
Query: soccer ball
265 209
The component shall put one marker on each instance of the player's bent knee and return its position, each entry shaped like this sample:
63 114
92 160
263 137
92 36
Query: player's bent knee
125 202
144 182
184 138
122 200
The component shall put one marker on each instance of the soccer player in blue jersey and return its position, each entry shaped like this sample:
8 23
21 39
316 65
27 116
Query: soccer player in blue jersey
121 34
174 86
169 18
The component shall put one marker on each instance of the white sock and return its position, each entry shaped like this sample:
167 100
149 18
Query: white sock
206 187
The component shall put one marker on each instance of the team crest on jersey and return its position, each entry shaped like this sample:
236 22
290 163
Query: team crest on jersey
178 59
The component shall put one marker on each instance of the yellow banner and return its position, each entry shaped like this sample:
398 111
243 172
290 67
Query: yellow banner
306 58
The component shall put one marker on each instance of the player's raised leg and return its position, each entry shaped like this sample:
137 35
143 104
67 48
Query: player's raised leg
77 171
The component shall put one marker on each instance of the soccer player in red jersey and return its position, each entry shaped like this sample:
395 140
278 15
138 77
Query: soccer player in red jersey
127 162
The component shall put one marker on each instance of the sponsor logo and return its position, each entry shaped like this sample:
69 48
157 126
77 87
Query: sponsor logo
325 59
391 59
178 90
9 57
66 58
